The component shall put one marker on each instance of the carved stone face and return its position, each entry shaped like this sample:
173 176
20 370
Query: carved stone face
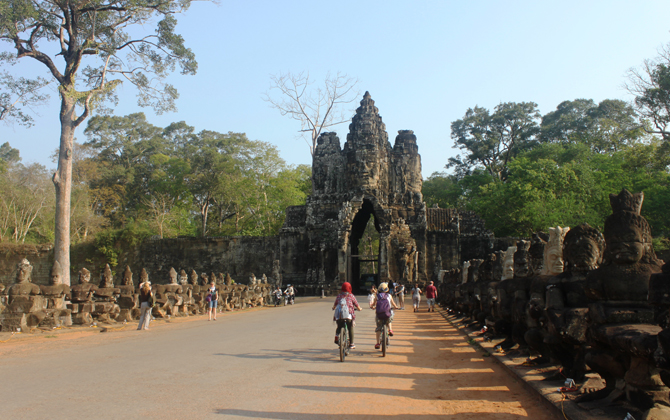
183 278
627 247
23 271
54 279
554 261
173 276
583 254
522 267
193 278
84 276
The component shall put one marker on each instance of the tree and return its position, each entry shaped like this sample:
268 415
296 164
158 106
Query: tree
651 86
493 140
315 109
17 94
607 127
97 34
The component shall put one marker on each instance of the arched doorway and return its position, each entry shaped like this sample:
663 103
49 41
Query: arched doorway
364 246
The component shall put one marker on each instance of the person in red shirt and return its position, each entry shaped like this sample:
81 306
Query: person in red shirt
431 295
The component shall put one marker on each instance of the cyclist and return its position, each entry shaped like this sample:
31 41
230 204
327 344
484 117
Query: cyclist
381 320
351 304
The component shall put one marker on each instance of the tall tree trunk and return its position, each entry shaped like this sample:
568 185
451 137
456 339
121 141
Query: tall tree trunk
62 180
204 212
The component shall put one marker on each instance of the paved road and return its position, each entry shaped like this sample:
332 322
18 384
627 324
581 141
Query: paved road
270 363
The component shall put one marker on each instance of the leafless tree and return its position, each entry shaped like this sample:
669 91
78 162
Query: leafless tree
651 86
316 109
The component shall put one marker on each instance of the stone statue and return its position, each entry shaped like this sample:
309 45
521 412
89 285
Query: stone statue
128 299
252 280
508 263
566 302
276 273
25 302
106 309
553 252
81 296
55 294
621 321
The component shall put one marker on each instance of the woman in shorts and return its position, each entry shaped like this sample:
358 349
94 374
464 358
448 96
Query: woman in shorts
416 297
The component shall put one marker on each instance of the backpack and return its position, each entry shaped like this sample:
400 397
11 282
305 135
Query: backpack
342 310
383 306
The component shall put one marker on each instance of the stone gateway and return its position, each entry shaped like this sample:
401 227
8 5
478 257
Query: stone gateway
319 242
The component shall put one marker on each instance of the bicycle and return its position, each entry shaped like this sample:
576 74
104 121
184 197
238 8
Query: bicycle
344 342
385 338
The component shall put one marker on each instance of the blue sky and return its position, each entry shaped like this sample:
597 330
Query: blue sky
424 63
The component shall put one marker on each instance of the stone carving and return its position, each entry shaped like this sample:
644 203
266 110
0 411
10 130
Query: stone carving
24 301
508 265
127 300
621 319
55 294
82 299
566 302
553 252
106 309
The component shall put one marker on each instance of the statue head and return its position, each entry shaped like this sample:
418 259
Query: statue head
220 279
193 278
173 275
485 271
24 271
127 277
183 277
498 261
473 272
144 276
204 280
56 274
229 280
264 279
252 279
538 242
508 263
522 267
583 248
84 276
627 233
553 251
106 279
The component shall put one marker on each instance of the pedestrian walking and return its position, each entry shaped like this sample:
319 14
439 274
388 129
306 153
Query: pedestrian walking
431 295
400 292
213 296
146 304
416 297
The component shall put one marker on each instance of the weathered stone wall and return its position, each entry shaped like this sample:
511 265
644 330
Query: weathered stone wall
40 256
240 256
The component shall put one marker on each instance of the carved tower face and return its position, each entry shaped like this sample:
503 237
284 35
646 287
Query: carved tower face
366 147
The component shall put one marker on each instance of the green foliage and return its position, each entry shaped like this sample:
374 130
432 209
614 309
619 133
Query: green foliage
492 140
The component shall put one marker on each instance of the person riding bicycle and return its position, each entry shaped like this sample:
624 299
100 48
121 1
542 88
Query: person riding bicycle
384 314
348 315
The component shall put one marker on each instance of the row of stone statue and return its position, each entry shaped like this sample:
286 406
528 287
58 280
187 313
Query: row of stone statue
29 305
583 300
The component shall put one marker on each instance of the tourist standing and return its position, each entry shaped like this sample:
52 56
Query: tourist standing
400 292
416 297
431 295
213 295
371 296
146 303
